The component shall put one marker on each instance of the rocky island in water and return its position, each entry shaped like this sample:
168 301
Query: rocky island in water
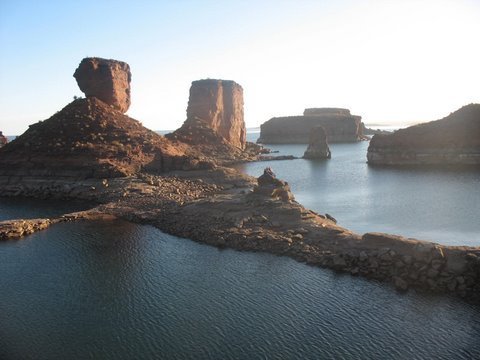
453 140
181 183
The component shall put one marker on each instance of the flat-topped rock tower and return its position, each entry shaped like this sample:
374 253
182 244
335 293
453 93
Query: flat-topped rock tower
219 103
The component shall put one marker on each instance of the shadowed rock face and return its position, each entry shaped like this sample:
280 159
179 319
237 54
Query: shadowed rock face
453 140
89 139
339 126
107 80
318 146
3 140
219 103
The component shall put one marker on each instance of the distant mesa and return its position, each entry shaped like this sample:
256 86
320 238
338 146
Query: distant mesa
453 140
318 145
218 104
3 140
339 125
107 80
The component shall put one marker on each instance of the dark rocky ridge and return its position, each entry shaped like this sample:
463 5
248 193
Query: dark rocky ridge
453 140
339 125
88 138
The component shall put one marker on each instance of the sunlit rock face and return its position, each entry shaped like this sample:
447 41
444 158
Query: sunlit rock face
3 140
107 80
339 125
219 103
453 140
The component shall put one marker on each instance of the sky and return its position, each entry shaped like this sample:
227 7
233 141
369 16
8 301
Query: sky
392 62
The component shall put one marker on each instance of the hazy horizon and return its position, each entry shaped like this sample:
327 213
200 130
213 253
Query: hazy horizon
393 63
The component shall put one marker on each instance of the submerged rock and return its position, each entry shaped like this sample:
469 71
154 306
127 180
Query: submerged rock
453 140
318 145
107 80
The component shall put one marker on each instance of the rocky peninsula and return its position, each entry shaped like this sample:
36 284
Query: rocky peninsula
339 125
173 185
453 140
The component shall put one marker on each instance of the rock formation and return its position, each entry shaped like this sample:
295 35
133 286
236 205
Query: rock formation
453 140
218 103
107 80
339 125
86 139
3 140
318 145
270 186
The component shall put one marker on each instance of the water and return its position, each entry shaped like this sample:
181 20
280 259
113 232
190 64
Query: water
116 290
441 205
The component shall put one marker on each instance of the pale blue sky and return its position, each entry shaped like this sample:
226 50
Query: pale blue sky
389 61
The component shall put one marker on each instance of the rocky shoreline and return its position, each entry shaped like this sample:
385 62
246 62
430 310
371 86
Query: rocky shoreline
179 183
224 208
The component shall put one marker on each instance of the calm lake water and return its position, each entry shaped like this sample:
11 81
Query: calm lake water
441 205
116 290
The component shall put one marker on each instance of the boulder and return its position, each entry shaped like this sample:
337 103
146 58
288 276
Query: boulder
339 125
3 140
107 80
269 185
318 145
219 103
453 140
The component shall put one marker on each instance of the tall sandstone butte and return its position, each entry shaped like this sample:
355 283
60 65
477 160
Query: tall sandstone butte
107 80
219 103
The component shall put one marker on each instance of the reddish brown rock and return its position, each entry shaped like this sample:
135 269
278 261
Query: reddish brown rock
89 139
269 185
219 103
339 125
318 145
3 140
107 80
453 140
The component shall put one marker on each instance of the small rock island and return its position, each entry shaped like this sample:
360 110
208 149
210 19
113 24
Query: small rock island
318 145
90 150
339 125
453 140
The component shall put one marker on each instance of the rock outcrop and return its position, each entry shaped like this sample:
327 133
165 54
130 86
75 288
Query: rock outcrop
107 80
3 140
453 140
318 145
219 103
87 139
270 186
339 125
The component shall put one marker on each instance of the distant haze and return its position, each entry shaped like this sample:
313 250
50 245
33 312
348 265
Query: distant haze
392 62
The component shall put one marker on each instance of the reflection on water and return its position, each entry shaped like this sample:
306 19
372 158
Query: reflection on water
441 205
115 290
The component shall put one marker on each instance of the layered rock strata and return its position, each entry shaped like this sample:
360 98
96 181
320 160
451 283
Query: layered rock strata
219 103
339 125
453 140
318 146
107 80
